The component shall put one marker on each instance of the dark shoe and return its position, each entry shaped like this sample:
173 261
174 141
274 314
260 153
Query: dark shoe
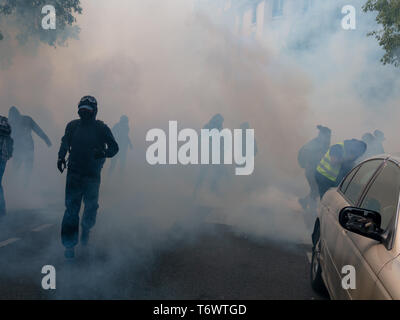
69 253
85 237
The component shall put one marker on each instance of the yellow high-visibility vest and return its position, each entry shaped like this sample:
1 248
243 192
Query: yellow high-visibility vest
326 168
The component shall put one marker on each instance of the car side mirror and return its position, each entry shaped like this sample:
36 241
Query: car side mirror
362 221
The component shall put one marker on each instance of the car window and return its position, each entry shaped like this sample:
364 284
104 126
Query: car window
360 179
347 180
383 194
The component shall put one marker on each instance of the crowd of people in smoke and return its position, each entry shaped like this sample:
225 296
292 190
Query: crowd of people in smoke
325 165
87 142
217 173
16 142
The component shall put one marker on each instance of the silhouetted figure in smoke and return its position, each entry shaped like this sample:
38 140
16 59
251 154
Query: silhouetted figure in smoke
337 162
22 127
368 138
378 142
308 158
217 171
6 151
374 144
89 142
121 134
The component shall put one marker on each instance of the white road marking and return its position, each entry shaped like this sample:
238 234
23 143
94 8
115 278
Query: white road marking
8 241
42 227
309 255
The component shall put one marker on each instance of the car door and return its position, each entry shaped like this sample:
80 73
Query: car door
367 255
335 237
330 235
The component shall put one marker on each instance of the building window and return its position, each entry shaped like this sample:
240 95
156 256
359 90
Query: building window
277 8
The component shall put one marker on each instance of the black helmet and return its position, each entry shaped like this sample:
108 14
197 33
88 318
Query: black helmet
88 101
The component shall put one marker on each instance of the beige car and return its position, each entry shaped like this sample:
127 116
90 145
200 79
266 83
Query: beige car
357 226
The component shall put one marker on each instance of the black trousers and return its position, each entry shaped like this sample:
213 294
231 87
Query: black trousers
310 176
324 184
2 200
79 188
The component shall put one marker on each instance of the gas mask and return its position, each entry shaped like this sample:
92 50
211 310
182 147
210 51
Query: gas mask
86 113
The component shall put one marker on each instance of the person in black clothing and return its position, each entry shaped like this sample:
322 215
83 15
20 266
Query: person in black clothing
308 158
121 134
374 144
22 128
215 172
379 138
6 152
89 142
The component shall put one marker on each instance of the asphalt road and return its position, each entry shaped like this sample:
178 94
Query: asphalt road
216 263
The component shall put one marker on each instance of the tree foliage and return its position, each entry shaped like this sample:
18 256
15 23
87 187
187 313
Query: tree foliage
388 16
25 16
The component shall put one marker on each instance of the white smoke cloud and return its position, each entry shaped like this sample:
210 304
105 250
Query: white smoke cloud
157 61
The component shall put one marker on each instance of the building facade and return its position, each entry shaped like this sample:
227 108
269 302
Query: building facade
251 17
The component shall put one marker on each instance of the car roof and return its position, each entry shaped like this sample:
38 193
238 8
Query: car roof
386 156
395 157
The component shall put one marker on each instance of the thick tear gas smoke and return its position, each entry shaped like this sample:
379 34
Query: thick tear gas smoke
156 61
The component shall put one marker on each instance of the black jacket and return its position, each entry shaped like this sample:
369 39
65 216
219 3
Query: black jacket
312 152
83 140
6 142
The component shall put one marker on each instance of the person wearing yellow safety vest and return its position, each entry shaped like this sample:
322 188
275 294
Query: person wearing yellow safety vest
337 162
308 158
